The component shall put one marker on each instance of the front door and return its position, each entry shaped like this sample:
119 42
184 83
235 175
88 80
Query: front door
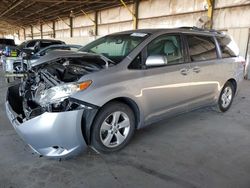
165 90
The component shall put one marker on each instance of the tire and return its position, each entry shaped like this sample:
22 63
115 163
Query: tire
226 97
113 127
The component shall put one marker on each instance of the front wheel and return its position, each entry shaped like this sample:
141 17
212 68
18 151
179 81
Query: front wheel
113 127
226 97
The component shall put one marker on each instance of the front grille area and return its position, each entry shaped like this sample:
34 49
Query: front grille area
15 100
24 107
31 109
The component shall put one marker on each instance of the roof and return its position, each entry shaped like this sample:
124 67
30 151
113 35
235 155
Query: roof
44 40
180 29
16 14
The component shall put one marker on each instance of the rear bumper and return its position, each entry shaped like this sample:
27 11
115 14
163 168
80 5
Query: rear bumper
55 135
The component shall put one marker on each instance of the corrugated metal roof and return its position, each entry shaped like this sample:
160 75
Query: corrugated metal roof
20 13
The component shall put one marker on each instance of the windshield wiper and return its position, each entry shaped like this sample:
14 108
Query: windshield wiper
103 57
107 60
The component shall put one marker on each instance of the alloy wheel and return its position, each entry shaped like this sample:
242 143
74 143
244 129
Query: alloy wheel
226 97
115 129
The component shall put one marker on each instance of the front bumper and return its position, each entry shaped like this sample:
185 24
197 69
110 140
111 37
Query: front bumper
55 135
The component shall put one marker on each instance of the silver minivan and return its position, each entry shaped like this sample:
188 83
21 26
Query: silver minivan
101 94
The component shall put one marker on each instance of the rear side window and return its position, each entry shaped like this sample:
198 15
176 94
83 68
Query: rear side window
201 48
228 47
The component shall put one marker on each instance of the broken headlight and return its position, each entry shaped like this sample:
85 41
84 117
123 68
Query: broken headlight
59 93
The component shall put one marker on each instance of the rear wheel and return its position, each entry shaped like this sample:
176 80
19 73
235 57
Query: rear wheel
226 97
113 127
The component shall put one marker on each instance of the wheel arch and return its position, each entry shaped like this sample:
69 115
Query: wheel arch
132 104
88 127
234 83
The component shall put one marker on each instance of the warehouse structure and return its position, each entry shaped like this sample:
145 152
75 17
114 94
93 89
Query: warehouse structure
81 21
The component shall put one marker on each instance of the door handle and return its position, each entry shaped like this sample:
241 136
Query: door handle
197 69
184 71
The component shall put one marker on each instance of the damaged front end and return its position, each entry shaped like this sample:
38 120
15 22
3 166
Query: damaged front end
42 109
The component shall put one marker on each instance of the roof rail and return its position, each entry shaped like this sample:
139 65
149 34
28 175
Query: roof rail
201 29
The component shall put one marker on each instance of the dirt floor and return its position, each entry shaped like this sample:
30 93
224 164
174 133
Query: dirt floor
203 148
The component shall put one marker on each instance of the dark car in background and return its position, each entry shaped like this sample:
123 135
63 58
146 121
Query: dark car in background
28 48
7 47
37 44
48 49
35 56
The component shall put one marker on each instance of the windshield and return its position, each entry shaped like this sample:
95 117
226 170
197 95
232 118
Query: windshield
9 42
115 47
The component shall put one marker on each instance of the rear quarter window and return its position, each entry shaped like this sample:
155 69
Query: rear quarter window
201 48
228 47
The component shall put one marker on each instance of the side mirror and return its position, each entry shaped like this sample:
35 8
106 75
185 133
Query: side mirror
156 61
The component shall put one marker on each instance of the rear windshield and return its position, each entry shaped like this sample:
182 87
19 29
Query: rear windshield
228 47
49 43
9 42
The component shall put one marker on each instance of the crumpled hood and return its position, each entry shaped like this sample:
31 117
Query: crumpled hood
61 54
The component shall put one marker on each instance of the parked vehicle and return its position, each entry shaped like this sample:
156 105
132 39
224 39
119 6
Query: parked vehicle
8 47
33 57
29 48
38 44
119 83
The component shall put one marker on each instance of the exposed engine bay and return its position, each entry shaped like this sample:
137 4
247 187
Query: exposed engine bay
69 70
55 74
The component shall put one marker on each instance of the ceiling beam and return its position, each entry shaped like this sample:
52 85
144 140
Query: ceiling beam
14 5
21 9
44 11
77 13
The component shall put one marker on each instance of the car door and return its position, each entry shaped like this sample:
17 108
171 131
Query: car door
203 69
163 88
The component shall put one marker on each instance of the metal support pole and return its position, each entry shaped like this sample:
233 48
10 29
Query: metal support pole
210 12
18 34
134 17
96 23
71 26
24 34
32 34
137 2
54 29
41 30
247 57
